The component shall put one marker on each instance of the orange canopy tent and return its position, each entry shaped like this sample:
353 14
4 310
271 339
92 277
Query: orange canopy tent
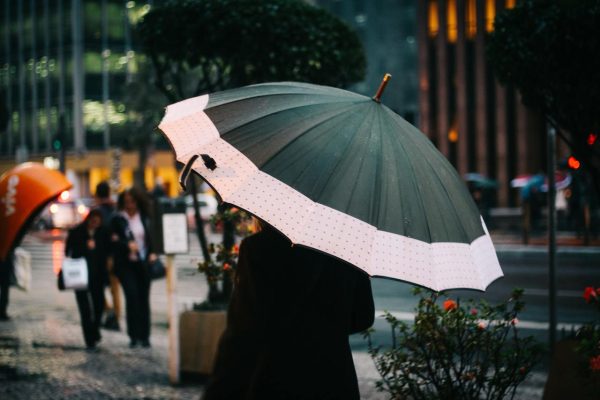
24 191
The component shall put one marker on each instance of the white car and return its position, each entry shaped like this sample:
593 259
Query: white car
61 214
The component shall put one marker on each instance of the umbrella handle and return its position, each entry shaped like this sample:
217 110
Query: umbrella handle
185 172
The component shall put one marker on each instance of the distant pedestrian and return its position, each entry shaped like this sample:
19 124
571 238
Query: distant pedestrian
6 272
90 241
107 206
159 190
288 323
132 250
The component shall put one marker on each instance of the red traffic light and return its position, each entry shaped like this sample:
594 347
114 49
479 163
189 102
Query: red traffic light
573 163
591 139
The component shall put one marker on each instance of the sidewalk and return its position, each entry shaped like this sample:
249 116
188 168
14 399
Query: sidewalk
42 355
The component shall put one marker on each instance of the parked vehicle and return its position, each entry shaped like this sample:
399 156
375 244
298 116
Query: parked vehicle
63 213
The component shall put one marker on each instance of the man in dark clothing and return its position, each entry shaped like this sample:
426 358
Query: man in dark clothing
107 207
289 319
6 271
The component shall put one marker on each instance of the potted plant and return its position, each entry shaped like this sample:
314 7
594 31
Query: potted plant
575 366
455 351
201 328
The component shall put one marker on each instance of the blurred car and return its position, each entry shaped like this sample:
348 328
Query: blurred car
208 208
63 213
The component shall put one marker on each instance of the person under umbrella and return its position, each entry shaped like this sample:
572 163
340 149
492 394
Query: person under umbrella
290 315
6 271
90 240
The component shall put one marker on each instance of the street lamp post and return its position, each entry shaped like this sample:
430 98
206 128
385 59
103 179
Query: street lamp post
552 234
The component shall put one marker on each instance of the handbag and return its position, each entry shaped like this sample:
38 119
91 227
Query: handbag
73 274
156 269
21 272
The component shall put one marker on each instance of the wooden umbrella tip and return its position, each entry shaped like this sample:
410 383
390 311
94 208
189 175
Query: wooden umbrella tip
384 82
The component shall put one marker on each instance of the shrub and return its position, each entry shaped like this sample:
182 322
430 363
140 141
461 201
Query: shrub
456 351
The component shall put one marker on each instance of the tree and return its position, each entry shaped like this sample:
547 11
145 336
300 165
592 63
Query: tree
144 106
548 49
199 46
4 114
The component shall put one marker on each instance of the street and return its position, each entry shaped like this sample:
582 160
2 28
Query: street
44 342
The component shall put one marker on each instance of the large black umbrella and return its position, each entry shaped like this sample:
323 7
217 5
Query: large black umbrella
341 173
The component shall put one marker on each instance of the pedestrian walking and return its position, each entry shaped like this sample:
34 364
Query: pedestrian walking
290 315
113 311
90 241
6 271
132 251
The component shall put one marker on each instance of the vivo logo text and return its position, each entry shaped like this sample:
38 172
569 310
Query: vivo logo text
10 199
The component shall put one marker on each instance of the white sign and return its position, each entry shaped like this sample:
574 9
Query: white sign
175 233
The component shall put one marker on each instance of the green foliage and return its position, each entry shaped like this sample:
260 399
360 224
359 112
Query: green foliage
223 260
456 351
199 46
548 50
588 339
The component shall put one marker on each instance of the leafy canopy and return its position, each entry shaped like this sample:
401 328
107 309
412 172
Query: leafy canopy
201 46
548 49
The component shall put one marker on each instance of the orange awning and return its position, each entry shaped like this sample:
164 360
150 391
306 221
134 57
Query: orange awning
24 191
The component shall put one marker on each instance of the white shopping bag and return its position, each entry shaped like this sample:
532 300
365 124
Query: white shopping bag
74 273
22 269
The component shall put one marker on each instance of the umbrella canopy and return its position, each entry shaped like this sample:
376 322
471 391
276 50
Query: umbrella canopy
539 182
24 191
480 181
341 173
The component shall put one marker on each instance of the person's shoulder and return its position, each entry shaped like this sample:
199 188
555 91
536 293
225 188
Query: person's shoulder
266 238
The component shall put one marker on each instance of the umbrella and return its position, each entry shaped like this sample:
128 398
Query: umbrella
528 183
24 191
480 181
341 173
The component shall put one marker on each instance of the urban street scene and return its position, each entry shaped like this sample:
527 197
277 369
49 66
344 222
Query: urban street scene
299 199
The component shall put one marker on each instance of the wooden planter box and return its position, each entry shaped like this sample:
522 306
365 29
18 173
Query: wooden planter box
565 379
199 335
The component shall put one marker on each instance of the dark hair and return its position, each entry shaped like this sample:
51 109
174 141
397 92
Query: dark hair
94 212
138 196
103 190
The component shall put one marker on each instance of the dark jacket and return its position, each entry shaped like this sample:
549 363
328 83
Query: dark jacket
120 236
76 247
288 324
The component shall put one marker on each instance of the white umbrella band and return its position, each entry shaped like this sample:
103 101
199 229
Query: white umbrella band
438 266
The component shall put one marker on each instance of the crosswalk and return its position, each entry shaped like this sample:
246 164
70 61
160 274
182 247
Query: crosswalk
47 250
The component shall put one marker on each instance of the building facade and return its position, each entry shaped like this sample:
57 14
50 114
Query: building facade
480 125
64 70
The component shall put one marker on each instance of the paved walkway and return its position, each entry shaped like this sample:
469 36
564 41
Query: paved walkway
42 355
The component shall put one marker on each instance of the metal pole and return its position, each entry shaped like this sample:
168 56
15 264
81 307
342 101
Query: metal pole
22 149
105 66
173 320
9 80
34 92
552 234
77 46
61 61
47 86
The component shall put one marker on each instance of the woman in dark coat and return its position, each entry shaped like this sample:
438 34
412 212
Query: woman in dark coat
90 240
288 323
132 250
